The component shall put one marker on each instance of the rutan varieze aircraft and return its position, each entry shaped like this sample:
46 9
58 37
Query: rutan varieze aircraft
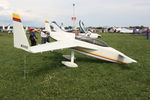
84 45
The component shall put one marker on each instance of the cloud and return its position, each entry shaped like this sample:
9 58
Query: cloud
94 12
1 8
4 8
4 4
141 4
6 11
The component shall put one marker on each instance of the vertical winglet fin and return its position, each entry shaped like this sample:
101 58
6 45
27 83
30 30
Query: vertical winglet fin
47 26
20 39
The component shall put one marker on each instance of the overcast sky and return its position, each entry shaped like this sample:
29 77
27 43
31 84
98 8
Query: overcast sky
92 12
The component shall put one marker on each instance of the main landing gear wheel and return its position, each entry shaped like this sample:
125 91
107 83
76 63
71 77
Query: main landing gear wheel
71 63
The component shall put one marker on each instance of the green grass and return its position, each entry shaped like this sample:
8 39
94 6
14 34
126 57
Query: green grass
94 79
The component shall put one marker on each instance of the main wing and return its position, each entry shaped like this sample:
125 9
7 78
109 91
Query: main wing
52 46
59 45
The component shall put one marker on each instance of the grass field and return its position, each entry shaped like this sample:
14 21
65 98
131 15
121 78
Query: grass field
94 79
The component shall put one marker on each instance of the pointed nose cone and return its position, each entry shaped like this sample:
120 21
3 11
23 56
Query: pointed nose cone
126 59
133 61
130 60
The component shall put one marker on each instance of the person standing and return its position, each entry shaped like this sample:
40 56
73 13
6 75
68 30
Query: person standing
33 37
48 37
43 36
147 31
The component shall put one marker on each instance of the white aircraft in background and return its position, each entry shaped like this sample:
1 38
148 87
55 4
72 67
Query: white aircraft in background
4 29
87 33
8 29
62 26
84 45
123 30
82 31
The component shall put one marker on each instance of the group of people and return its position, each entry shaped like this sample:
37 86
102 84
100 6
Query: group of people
45 36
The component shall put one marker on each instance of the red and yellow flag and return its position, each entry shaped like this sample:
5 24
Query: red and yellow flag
16 17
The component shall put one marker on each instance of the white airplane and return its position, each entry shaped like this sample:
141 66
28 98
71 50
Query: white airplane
4 29
62 26
124 30
87 33
10 30
82 32
84 45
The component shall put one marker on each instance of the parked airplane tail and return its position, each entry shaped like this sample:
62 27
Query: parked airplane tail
3 27
20 39
56 27
82 28
8 27
47 26
62 26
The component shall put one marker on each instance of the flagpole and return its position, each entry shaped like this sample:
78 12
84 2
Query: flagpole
73 18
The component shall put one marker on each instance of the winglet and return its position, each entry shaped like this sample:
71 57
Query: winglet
47 26
20 38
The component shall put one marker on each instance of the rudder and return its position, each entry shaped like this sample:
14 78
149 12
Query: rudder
20 39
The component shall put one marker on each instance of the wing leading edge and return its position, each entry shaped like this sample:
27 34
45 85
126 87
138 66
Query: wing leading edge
59 45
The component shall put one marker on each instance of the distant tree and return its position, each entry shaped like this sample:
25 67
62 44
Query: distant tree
90 27
1 27
69 27
138 27
99 27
